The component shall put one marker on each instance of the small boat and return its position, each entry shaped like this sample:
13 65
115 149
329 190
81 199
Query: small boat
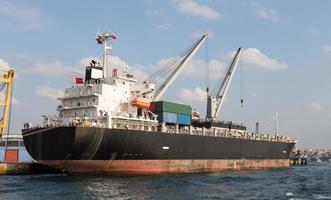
318 160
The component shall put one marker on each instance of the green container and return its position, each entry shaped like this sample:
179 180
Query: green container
166 106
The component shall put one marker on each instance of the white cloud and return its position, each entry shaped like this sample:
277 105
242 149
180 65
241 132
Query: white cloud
254 57
57 69
15 101
83 62
29 17
198 34
313 31
196 67
190 7
326 48
139 71
164 26
48 92
4 65
197 94
152 12
253 94
268 14
217 67
315 106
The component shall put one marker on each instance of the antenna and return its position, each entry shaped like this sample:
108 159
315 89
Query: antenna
276 123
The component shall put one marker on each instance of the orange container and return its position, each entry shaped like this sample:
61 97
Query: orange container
11 156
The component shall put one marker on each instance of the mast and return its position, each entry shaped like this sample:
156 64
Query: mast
102 38
104 63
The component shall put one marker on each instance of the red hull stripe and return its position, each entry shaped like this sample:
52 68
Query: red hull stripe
161 166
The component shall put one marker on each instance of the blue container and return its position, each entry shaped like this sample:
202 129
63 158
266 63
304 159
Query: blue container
184 119
167 117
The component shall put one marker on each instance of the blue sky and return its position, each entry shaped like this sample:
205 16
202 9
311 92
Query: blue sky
285 63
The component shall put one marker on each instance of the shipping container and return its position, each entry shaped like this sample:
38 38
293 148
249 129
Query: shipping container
170 107
184 119
11 155
167 117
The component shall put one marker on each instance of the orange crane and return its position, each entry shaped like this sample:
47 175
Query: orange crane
6 86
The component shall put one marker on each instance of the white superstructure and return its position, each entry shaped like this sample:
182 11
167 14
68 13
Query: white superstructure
96 104
118 100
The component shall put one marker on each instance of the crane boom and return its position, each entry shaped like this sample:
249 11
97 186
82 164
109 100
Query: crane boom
172 77
6 81
215 101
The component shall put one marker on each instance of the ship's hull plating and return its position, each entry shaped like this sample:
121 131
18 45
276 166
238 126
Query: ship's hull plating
118 151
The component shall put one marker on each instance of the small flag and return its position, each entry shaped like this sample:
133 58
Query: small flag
113 36
79 80
99 40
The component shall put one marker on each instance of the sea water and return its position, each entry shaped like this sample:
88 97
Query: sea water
306 182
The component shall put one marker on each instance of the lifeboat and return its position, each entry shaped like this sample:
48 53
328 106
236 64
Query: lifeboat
141 102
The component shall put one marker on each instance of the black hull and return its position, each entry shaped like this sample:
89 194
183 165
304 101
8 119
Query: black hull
99 144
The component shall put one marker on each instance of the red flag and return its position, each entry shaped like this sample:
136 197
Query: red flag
79 80
99 40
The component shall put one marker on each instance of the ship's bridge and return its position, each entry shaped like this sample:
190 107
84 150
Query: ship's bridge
100 100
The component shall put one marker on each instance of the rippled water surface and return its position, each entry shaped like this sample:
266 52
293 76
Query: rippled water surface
308 182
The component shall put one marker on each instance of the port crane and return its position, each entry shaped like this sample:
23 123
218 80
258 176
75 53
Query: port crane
215 99
6 86
172 69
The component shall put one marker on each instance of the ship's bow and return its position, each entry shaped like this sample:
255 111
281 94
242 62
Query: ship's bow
49 143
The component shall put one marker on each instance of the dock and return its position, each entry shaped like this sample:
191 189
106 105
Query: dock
15 160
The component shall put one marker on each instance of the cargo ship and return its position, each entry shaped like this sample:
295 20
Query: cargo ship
110 123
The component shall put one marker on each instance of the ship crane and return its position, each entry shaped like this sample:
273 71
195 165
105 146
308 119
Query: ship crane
173 68
6 86
216 98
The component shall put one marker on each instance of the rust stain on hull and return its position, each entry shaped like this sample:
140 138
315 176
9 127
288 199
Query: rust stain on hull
162 166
